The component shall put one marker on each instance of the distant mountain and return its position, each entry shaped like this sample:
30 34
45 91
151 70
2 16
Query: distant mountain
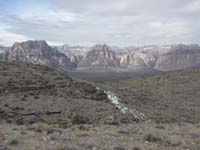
179 57
141 58
3 49
37 52
164 58
104 58
99 56
75 53
137 60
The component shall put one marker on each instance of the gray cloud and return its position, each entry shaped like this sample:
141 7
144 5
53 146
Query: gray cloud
119 22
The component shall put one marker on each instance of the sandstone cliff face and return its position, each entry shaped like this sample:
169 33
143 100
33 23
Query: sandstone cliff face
37 52
163 58
73 54
138 60
179 57
125 59
99 56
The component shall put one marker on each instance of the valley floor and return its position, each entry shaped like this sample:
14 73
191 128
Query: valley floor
140 136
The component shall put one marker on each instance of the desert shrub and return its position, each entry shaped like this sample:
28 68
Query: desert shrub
36 97
14 142
75 127
174 140
78 119
151 137
136 148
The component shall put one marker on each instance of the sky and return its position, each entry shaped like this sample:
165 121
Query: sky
115 22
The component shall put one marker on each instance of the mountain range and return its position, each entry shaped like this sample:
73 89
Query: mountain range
101 57
3 49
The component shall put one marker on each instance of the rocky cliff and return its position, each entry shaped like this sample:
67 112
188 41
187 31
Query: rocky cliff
179 57
38 52
99 56
174 57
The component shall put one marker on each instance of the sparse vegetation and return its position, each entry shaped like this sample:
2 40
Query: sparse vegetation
78 119
13 142
151 137
72 118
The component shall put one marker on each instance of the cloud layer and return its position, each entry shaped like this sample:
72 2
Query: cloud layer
117 22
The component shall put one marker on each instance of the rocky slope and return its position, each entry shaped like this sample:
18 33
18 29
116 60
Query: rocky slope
37 52
33 93
42 109
167 97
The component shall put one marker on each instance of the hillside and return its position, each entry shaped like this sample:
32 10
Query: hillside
167 97
33 93
42 109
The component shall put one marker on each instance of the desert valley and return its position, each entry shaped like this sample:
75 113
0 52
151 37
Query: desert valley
99 97
99 75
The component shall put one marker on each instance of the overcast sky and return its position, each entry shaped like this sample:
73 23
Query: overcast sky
115 22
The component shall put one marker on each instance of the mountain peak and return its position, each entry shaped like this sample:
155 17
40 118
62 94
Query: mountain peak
38 52
99 47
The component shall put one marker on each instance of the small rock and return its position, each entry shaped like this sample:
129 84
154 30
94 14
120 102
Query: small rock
111 120
89 88
124 131
56 136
